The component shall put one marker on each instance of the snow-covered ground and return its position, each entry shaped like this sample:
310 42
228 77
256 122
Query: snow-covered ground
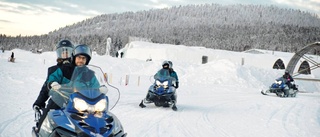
220 98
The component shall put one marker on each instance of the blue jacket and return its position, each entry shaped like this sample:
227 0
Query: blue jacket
173 74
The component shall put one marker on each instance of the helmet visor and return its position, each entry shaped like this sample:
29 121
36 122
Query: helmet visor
165 66
82 50
64 52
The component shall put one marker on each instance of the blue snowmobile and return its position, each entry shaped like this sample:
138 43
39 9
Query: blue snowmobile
281 89
162 91
84 109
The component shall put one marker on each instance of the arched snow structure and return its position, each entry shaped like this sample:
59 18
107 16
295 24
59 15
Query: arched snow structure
304 68
278 64
296 57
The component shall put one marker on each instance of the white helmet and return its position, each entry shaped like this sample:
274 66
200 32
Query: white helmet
170 64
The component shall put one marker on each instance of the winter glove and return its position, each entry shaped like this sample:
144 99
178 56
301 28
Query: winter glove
40 105
36 108
37 113
103 89
177 85
55 86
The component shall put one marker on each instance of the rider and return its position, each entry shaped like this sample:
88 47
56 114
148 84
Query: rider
288 78
12 57
167 65
82 77
81 56
64 56
173 74
85 76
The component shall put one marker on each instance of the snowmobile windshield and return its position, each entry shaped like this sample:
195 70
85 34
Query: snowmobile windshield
281 79
162 74
88 81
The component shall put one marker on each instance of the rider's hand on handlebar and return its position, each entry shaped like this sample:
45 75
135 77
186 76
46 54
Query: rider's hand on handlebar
55 85
36 108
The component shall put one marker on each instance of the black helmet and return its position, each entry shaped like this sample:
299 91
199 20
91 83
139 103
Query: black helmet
286 72
84 50
64 49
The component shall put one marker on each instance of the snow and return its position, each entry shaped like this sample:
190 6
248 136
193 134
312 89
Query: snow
220 98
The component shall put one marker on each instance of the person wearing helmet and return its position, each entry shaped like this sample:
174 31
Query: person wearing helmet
81 51
167 65
82 77
64 67
64 51
176 85
173 74
12 57
80 56
288 78
85 76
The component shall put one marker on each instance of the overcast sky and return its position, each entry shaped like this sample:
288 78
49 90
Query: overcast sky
36 17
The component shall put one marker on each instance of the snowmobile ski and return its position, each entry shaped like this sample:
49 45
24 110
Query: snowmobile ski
174 108
263 93
142 105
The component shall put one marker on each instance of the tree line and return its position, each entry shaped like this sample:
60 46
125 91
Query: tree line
230 27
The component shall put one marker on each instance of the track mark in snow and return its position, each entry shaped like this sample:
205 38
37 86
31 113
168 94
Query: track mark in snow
20 121
14 80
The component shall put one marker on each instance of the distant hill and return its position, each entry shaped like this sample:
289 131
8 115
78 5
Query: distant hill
231 27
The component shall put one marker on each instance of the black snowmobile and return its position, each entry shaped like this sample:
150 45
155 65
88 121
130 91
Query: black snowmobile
162 91
84 110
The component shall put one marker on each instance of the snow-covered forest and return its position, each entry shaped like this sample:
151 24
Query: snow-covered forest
230 27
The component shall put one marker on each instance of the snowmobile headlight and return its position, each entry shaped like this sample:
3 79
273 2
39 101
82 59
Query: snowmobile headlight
158 83
278 82
83 106
80 104
165 84
101 105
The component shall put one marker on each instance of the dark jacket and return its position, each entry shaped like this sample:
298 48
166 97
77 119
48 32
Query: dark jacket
43 96
288 77
66 71
62 74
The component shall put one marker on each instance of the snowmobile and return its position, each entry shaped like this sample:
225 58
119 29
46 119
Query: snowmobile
162 91
11 59
84 110
281 89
